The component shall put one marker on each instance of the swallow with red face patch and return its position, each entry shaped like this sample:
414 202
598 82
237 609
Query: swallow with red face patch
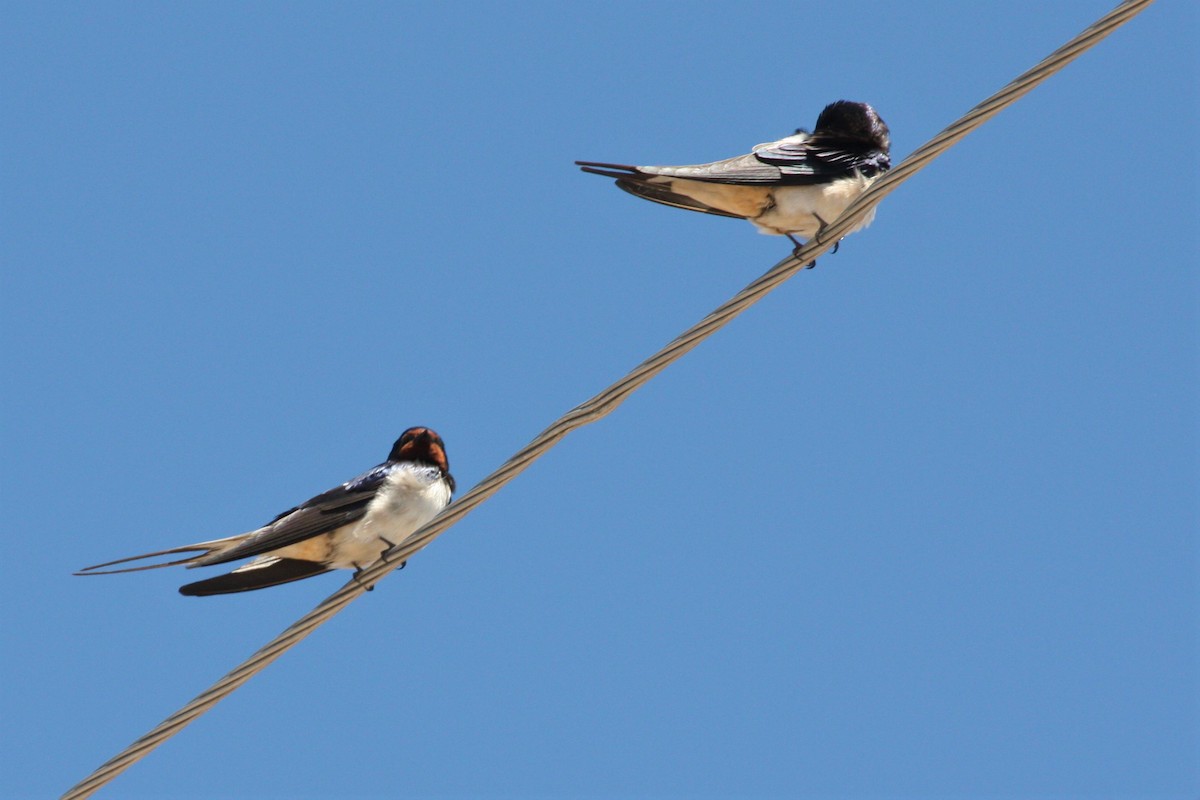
348 527
796 185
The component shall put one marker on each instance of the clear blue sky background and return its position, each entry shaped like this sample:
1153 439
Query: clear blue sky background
923 523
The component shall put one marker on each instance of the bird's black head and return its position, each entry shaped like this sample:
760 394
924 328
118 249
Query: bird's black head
421 444
846 119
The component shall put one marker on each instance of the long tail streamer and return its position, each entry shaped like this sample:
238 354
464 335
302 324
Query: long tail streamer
606 401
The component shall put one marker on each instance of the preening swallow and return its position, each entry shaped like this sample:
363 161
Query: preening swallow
796 185
348 527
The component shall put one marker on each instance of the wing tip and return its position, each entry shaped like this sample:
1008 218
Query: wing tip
660 193
285 570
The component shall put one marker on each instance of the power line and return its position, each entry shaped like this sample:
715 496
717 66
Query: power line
607 401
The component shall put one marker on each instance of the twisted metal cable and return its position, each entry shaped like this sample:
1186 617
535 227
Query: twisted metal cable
607 401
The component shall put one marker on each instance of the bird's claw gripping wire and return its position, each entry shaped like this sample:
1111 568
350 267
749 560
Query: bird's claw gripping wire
799 245
820 232
390 546
358 568
357 571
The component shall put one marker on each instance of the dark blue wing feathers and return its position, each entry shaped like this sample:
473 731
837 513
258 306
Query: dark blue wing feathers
324 513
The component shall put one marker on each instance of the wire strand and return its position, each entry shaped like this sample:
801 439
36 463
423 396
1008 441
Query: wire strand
606 401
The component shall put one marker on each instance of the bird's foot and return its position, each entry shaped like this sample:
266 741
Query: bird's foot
798 247
821 234
390 546
357 571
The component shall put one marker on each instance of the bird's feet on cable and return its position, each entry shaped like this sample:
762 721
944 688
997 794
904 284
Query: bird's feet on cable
358 570
390 546
798 247
816 237
821 234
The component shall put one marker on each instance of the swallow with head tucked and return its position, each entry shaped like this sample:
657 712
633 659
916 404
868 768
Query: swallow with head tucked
796 185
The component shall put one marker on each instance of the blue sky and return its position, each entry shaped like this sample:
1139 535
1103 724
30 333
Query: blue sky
923 523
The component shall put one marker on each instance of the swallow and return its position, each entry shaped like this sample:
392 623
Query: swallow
796 185
347 527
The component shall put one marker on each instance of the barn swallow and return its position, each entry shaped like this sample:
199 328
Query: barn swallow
796 185
347 527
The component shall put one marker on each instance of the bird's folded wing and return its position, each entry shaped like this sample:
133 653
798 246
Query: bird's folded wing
322 514
257 575
821 158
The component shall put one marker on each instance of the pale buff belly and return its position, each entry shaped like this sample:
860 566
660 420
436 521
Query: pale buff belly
781 209
803 210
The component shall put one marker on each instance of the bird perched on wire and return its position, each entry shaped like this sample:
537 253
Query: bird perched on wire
796 185
348 527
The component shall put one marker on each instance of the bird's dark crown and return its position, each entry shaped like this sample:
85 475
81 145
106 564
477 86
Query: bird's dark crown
849 120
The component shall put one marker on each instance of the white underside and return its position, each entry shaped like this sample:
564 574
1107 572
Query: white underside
800 210
778 210
412 496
